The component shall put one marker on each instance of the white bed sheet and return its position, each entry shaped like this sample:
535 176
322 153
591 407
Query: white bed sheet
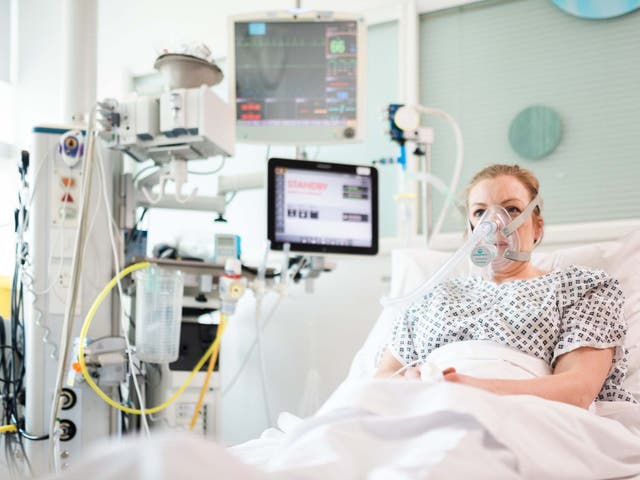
414 429
396 429
408 429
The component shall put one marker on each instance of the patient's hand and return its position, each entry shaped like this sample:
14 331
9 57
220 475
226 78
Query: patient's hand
411 373
450 375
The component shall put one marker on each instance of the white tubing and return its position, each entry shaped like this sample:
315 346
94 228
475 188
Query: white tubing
438 184
457 171
284 269
262 268
263 368
482 230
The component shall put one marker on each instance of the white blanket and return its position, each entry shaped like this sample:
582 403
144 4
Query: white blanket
400 429
411 429
376 428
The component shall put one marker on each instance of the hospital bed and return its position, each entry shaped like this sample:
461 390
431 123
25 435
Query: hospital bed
383 429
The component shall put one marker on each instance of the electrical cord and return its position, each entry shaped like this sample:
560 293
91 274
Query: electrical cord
254 271
52 281
12 366
253 345
34 438
211 172
131 236
131 155
40 315
142 170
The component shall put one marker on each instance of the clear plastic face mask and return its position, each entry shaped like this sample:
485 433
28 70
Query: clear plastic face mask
490 252
497 250
493 245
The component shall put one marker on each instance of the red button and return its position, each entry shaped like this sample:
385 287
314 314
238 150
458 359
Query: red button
67 198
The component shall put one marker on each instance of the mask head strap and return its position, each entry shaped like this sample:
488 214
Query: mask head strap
520 219
517 256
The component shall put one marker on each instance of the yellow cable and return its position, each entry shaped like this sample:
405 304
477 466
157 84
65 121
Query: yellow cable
83 366
8 428
212 362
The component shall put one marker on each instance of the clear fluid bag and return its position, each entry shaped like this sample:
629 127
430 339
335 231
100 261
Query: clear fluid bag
158 314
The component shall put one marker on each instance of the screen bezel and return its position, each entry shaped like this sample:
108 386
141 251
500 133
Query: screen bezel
318 166
299 134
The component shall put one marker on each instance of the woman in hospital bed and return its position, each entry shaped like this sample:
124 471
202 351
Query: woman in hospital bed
558 335
570 318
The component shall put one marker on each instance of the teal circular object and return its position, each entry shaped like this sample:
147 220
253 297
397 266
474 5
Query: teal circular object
535 132
597 9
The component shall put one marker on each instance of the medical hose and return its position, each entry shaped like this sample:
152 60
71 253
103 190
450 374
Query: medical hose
457 171
212 362
81 351
481 231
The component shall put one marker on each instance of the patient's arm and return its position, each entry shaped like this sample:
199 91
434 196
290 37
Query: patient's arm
576 379
390 365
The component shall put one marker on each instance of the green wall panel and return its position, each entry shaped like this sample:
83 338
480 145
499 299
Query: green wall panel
486 62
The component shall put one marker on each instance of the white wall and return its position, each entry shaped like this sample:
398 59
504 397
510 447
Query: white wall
35 98
131 33
39 65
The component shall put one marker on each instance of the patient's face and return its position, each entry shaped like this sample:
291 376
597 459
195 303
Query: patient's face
510 193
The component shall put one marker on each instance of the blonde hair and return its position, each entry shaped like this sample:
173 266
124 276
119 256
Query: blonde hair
524 176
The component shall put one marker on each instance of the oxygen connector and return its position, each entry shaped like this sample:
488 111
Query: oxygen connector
232 286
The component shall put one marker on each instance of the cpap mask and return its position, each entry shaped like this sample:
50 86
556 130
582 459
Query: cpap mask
500 248
492 243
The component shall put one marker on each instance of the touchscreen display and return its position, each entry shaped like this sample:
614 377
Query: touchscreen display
324 207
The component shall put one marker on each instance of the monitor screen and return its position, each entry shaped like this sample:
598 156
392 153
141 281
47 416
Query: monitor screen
297 81
322 207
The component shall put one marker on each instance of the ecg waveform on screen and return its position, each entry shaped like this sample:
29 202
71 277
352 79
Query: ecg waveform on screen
291 42
287 73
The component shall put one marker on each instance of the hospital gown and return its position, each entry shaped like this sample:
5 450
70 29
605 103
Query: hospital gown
545 316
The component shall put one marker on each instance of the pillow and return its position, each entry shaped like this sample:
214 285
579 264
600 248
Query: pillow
620 259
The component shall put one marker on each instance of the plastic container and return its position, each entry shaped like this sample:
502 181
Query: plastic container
158 314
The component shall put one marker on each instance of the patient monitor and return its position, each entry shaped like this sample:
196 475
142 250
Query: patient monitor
297 77
322 207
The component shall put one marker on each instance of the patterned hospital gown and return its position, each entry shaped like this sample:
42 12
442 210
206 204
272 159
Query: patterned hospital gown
545 316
